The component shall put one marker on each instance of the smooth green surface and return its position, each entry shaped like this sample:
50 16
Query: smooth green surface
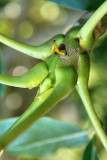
100 48
66 78
73 31
47 83
1 72
82 88
51 63
42 51
86 34
99 89
43 138
83 68
79 4
30 79
70 41
90 151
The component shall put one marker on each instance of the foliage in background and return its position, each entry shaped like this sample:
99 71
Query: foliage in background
3 3
90 151
98 46
80 4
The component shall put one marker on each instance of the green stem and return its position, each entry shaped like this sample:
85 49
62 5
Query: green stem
41 52
84 94
30 79
32 114
66 78
86 32
82 88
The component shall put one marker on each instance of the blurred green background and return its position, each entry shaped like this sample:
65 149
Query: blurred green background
34 22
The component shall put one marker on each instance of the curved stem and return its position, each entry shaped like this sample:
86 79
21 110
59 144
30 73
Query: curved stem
84 94
32 114
66 78
30 79
85 33
42 51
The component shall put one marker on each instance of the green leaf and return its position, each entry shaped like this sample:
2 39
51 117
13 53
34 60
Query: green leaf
99 51
44 137
90 151
1 71
79 4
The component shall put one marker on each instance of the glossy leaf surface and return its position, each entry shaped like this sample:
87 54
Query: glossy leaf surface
90 151
44 137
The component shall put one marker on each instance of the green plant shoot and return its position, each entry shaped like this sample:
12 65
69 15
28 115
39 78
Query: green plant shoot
66 66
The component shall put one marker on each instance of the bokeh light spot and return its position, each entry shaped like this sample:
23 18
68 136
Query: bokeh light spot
26 29
13 101
12 10
19 70
6 27
50 11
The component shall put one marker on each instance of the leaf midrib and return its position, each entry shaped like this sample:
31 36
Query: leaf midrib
50 140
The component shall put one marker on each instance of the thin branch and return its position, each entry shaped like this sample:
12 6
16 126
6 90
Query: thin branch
86 32
40 52
30 79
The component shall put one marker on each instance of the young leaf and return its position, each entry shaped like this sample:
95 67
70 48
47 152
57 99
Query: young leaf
44 137
80 4
1 71
90 151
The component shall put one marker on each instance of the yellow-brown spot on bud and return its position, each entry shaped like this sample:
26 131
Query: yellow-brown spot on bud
55 49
